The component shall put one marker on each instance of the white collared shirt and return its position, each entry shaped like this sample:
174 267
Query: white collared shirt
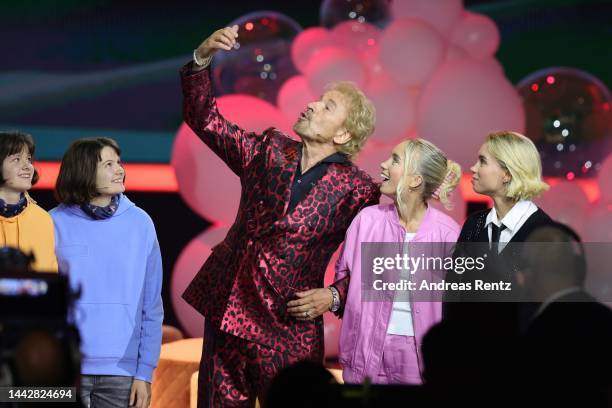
513 221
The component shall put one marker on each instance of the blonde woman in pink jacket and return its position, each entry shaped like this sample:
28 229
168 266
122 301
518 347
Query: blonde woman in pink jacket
381 340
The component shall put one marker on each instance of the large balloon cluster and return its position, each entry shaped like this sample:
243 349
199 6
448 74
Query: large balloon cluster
428 66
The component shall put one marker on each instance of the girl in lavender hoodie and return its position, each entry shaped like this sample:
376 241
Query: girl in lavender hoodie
381 340
109 249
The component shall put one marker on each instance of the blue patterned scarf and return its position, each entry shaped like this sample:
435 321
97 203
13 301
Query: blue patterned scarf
101 213
11 210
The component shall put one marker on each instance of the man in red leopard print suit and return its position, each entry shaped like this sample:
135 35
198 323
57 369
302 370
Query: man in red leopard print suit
297 201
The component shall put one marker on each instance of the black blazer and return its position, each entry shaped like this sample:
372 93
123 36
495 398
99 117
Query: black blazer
489 327
472 308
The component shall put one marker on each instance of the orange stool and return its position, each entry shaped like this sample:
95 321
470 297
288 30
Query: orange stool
172 377
170 334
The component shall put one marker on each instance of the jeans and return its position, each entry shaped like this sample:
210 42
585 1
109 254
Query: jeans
105 391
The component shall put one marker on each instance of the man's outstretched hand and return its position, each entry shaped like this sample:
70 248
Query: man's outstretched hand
222 39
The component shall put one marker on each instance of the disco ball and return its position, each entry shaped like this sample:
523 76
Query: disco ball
261 60
569 118
377 12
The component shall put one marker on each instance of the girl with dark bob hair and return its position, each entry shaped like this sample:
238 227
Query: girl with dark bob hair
109 248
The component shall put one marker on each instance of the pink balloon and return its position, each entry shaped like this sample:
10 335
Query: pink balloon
493 64
378 78
253 114
604 178
198 173
330 321
307 43
598 226
186 267
370 158
395 110
411 50
597 237
330 271
205 182
567 203
372 155
294 96
441 14
455 52
477 34
598 222
355 36
462 103
334 64
375 72
331 327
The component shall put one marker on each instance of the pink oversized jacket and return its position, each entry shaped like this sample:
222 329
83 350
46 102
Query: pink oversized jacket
364 324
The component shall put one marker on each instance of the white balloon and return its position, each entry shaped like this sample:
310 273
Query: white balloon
333 64
462 103
441 14
411 50
477 34
395 111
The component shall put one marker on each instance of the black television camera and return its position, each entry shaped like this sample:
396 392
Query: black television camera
38 344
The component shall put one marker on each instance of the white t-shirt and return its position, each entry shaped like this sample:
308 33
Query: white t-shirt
400 322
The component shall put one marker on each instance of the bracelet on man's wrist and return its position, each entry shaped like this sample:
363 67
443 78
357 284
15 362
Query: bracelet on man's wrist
199 63
335 299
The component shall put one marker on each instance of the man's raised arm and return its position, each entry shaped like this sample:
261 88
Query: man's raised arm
233 145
